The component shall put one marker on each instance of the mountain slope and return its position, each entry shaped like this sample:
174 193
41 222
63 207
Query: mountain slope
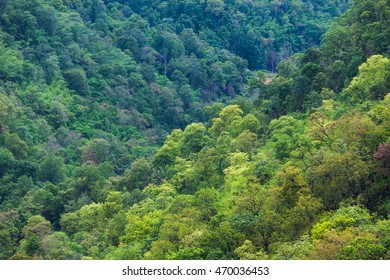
90 88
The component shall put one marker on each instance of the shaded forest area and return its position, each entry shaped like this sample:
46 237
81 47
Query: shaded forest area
144 130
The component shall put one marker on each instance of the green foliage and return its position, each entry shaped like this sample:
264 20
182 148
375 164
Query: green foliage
342 219
138 175
109 151
349 233
16 145
298 250
247 251
363 248
88 180
285 134
6 161
141 228
52 169
9 234
77 81
340 175
36 229
96 151
372 82
193 140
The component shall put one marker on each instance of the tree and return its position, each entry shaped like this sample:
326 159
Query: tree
215 7
7 160
299 94
207 201
193 140
339 176
89 181
113 204
238 172
248 123
16 145
34 232
141 229
90 219
11 68
6 108
169 46
285 68
363 248
9 233
175 227
96 151
138 175
116 228
297 250
247 251
336 75
310 70
292 184
342 219
347 233
285 133
245 142
52 169
225 118
57 246
321 128
383 154
167 154
77 81
372 82
305 212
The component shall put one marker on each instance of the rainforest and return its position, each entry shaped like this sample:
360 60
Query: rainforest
194 129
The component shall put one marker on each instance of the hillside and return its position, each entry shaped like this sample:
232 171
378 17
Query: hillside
90 89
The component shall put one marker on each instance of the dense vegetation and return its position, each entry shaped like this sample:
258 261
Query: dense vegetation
297 169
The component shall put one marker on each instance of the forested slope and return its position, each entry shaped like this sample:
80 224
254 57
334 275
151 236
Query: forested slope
127 71
301 171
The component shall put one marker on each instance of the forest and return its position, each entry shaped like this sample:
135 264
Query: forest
194 129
